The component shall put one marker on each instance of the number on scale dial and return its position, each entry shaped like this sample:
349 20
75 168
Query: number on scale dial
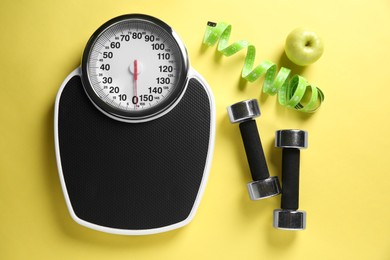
134 65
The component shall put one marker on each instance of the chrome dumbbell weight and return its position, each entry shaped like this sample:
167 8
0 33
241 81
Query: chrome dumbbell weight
262 186
289 217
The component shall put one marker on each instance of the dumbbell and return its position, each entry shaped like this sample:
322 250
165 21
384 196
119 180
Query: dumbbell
262 186
289 217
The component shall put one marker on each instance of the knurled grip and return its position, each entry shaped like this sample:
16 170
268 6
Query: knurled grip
290 178
254 150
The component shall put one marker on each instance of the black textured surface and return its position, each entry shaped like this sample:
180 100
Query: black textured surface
287 219
290 178
133 176
254 150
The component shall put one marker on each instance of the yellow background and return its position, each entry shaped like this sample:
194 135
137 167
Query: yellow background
345 172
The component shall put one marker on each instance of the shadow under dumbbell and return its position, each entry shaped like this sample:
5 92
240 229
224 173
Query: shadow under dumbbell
274 158
280 239
258 209
234 137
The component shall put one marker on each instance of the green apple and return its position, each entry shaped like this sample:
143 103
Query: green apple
303 46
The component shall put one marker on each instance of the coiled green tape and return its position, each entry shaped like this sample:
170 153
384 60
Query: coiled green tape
290 91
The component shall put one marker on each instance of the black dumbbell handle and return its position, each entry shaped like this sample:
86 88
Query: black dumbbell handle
290 178
254 150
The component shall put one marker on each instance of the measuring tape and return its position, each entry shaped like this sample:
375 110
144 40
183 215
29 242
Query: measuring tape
290 91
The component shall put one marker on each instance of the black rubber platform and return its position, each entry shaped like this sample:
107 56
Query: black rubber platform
133 176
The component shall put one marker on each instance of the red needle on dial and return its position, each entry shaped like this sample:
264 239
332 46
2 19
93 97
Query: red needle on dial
135 82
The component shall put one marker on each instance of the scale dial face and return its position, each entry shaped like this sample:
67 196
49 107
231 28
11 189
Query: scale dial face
134 68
